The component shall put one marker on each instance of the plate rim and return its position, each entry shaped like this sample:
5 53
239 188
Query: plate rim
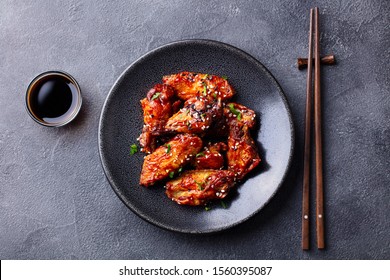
139 60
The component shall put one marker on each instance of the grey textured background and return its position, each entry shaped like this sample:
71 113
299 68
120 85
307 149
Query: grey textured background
55 202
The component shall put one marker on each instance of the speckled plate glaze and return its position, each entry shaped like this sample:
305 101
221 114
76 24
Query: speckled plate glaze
121 123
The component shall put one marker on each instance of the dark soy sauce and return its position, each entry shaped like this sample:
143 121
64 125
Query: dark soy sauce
53 99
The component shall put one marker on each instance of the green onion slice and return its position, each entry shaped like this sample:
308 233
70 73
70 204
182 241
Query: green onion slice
133 149
235 111
156 95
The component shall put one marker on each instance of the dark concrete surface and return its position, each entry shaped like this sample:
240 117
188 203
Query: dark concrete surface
55 202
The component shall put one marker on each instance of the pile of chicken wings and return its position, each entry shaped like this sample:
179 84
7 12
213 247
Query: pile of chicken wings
197 142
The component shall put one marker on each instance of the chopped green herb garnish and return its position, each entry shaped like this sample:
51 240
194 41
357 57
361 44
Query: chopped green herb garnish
171 174
204 90
205 77
207 208
200 186
168 148
180 169
133 149
156 95
224 77
199 154
214 95
223 204
235 111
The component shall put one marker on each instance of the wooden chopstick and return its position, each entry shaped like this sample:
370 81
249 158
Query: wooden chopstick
318 140
306 159
318 135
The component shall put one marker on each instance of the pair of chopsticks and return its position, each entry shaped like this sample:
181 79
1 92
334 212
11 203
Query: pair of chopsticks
314 18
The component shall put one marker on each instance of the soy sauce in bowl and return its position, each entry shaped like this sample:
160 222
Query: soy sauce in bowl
53 98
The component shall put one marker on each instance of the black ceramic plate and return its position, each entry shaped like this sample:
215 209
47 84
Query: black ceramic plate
121 124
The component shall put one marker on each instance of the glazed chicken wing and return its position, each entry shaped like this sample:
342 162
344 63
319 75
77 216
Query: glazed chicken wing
210 157
189 85
196 116
232 112
167 159
157 107
242 155
197 187
239 115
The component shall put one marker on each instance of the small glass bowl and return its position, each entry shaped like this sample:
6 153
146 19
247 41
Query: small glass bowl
33 92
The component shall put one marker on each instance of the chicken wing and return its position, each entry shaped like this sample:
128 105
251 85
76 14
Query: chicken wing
197 187
233 112
197 115
157 107
238 114
189 85
167 159
242 155
210 157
